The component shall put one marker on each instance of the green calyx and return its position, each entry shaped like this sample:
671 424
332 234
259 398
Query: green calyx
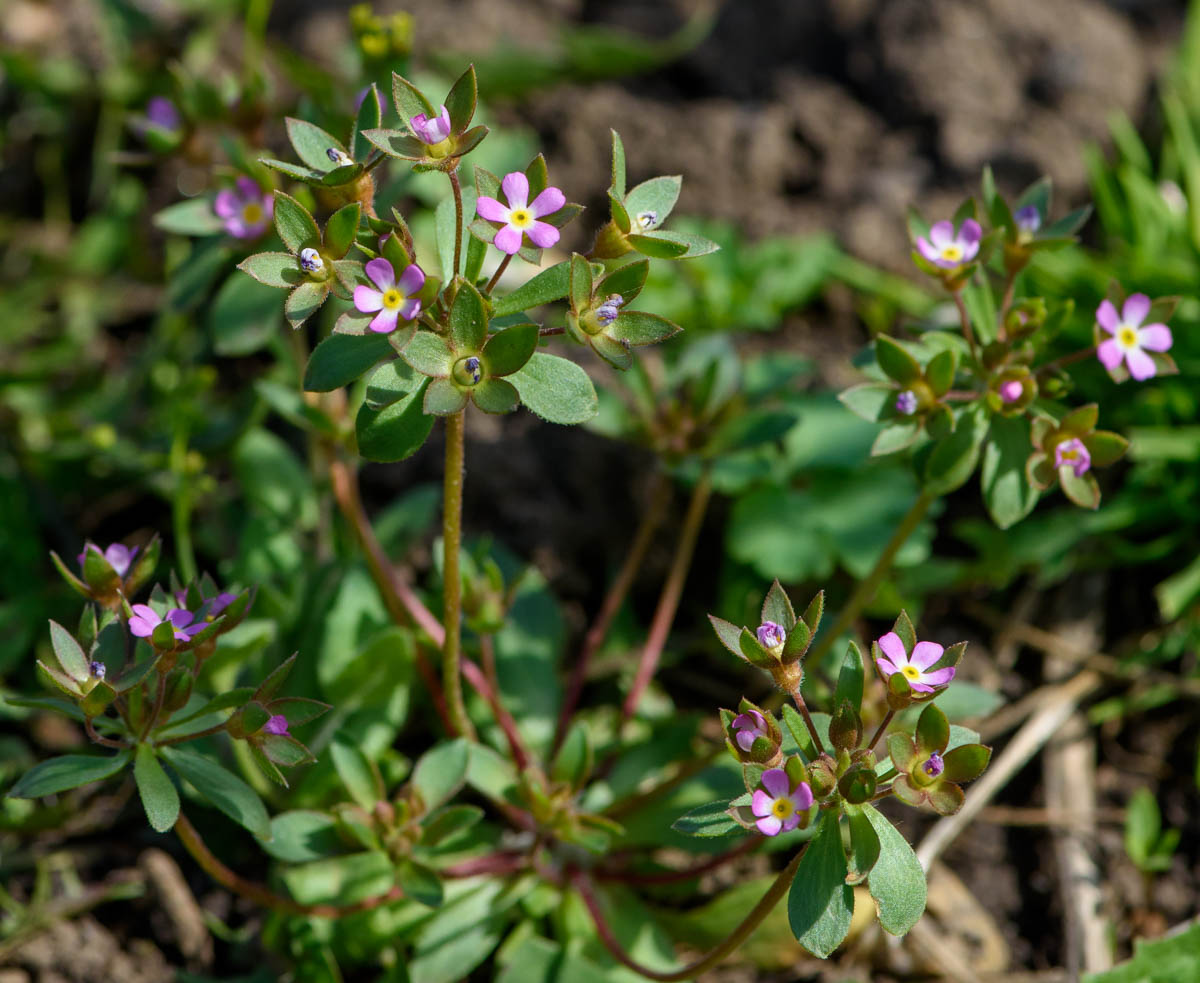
468 371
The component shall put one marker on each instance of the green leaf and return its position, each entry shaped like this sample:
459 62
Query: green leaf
357 772
496 396
245 315
441 772
368 118
341 880
896 362
389 382
506 351
449 822
274 270
397 431
897 881
222 788
194 217
640 328
981 308
777 607
550 285
850 679
311 143
443 397
729 635
296 227
341 358
657 245
618 165
67 772
556 389
341 229
419 883
468 320
626 280
581 283
1006 489
711 819
869 400
304 301
953 458
159 797
864 846
302 835
429 354
896 437
410 101
460 101
820 902
306 174
939 373
68 653
657 196
443 218
396 143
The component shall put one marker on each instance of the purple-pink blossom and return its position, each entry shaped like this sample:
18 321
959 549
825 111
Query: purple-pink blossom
520 216
1074 454
277 725
145 619
394 299
906 403
749 727
1012 390
771 635
914 668
949 249
1130 338
119 556
780 807
1028 219
245 208
161 112
934 765
432 129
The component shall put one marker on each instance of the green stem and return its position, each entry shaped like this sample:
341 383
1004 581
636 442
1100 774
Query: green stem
458 220
451 578
1005 304
499 273
808 720
759 912
866 588
965 318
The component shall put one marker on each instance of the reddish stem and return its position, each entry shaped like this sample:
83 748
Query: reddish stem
671 876
486 685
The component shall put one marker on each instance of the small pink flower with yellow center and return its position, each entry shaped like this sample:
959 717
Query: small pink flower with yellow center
780 807
394 299
948 249
1074 454
245 209
915 668
1130 338
520 216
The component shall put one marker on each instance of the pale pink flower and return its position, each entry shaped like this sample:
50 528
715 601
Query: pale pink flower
520 216
780 807
1130 338
915 668
394 299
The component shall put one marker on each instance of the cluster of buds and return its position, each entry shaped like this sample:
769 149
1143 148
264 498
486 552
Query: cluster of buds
1065 453
781 640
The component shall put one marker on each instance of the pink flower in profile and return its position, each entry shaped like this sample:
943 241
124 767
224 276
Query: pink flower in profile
750 727
245 209
394 299
277 725
780 807
948 249
432 130
520 216
1074 454
145 619
915 668
1012 390
119 556
1130 338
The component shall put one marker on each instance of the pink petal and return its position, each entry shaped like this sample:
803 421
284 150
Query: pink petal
508 240
237 228
385 321
769 826
179 618
1107 317
919 687
1141 365
926 249
939 677
760 803
775 781
893 648
802 798
516 189
926 654
542 234
381 273
1156 337
969 234
249 190
367 300
886 666
548 202
941 234
409 309
268 204
491 209
790 823
147 612
1135 309
752 719
411 280
226 204
745 739
1109 353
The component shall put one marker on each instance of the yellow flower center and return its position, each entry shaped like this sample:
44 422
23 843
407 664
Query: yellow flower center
1127 336
392 298
782 808
1069 454
520 217
952 253
912 672
252 213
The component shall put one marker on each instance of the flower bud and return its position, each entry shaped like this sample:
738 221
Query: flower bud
822 776
467 371
311 261
906 403
339 158
771 637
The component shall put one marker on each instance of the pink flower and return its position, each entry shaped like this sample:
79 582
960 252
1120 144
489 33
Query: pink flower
771 636
947 249
277 725
394 298
245 209
914 669
1130 339
1012 390
781 807
433 130
750 727
1074 454
118 555
145 619
520 217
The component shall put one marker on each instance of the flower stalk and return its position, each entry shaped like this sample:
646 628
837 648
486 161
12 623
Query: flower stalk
452 495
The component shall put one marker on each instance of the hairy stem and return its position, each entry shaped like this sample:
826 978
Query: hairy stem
452 580
651 519
883 725
760 911
100 738
259 893
798 699
668 601
458 220
491 284
866 588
